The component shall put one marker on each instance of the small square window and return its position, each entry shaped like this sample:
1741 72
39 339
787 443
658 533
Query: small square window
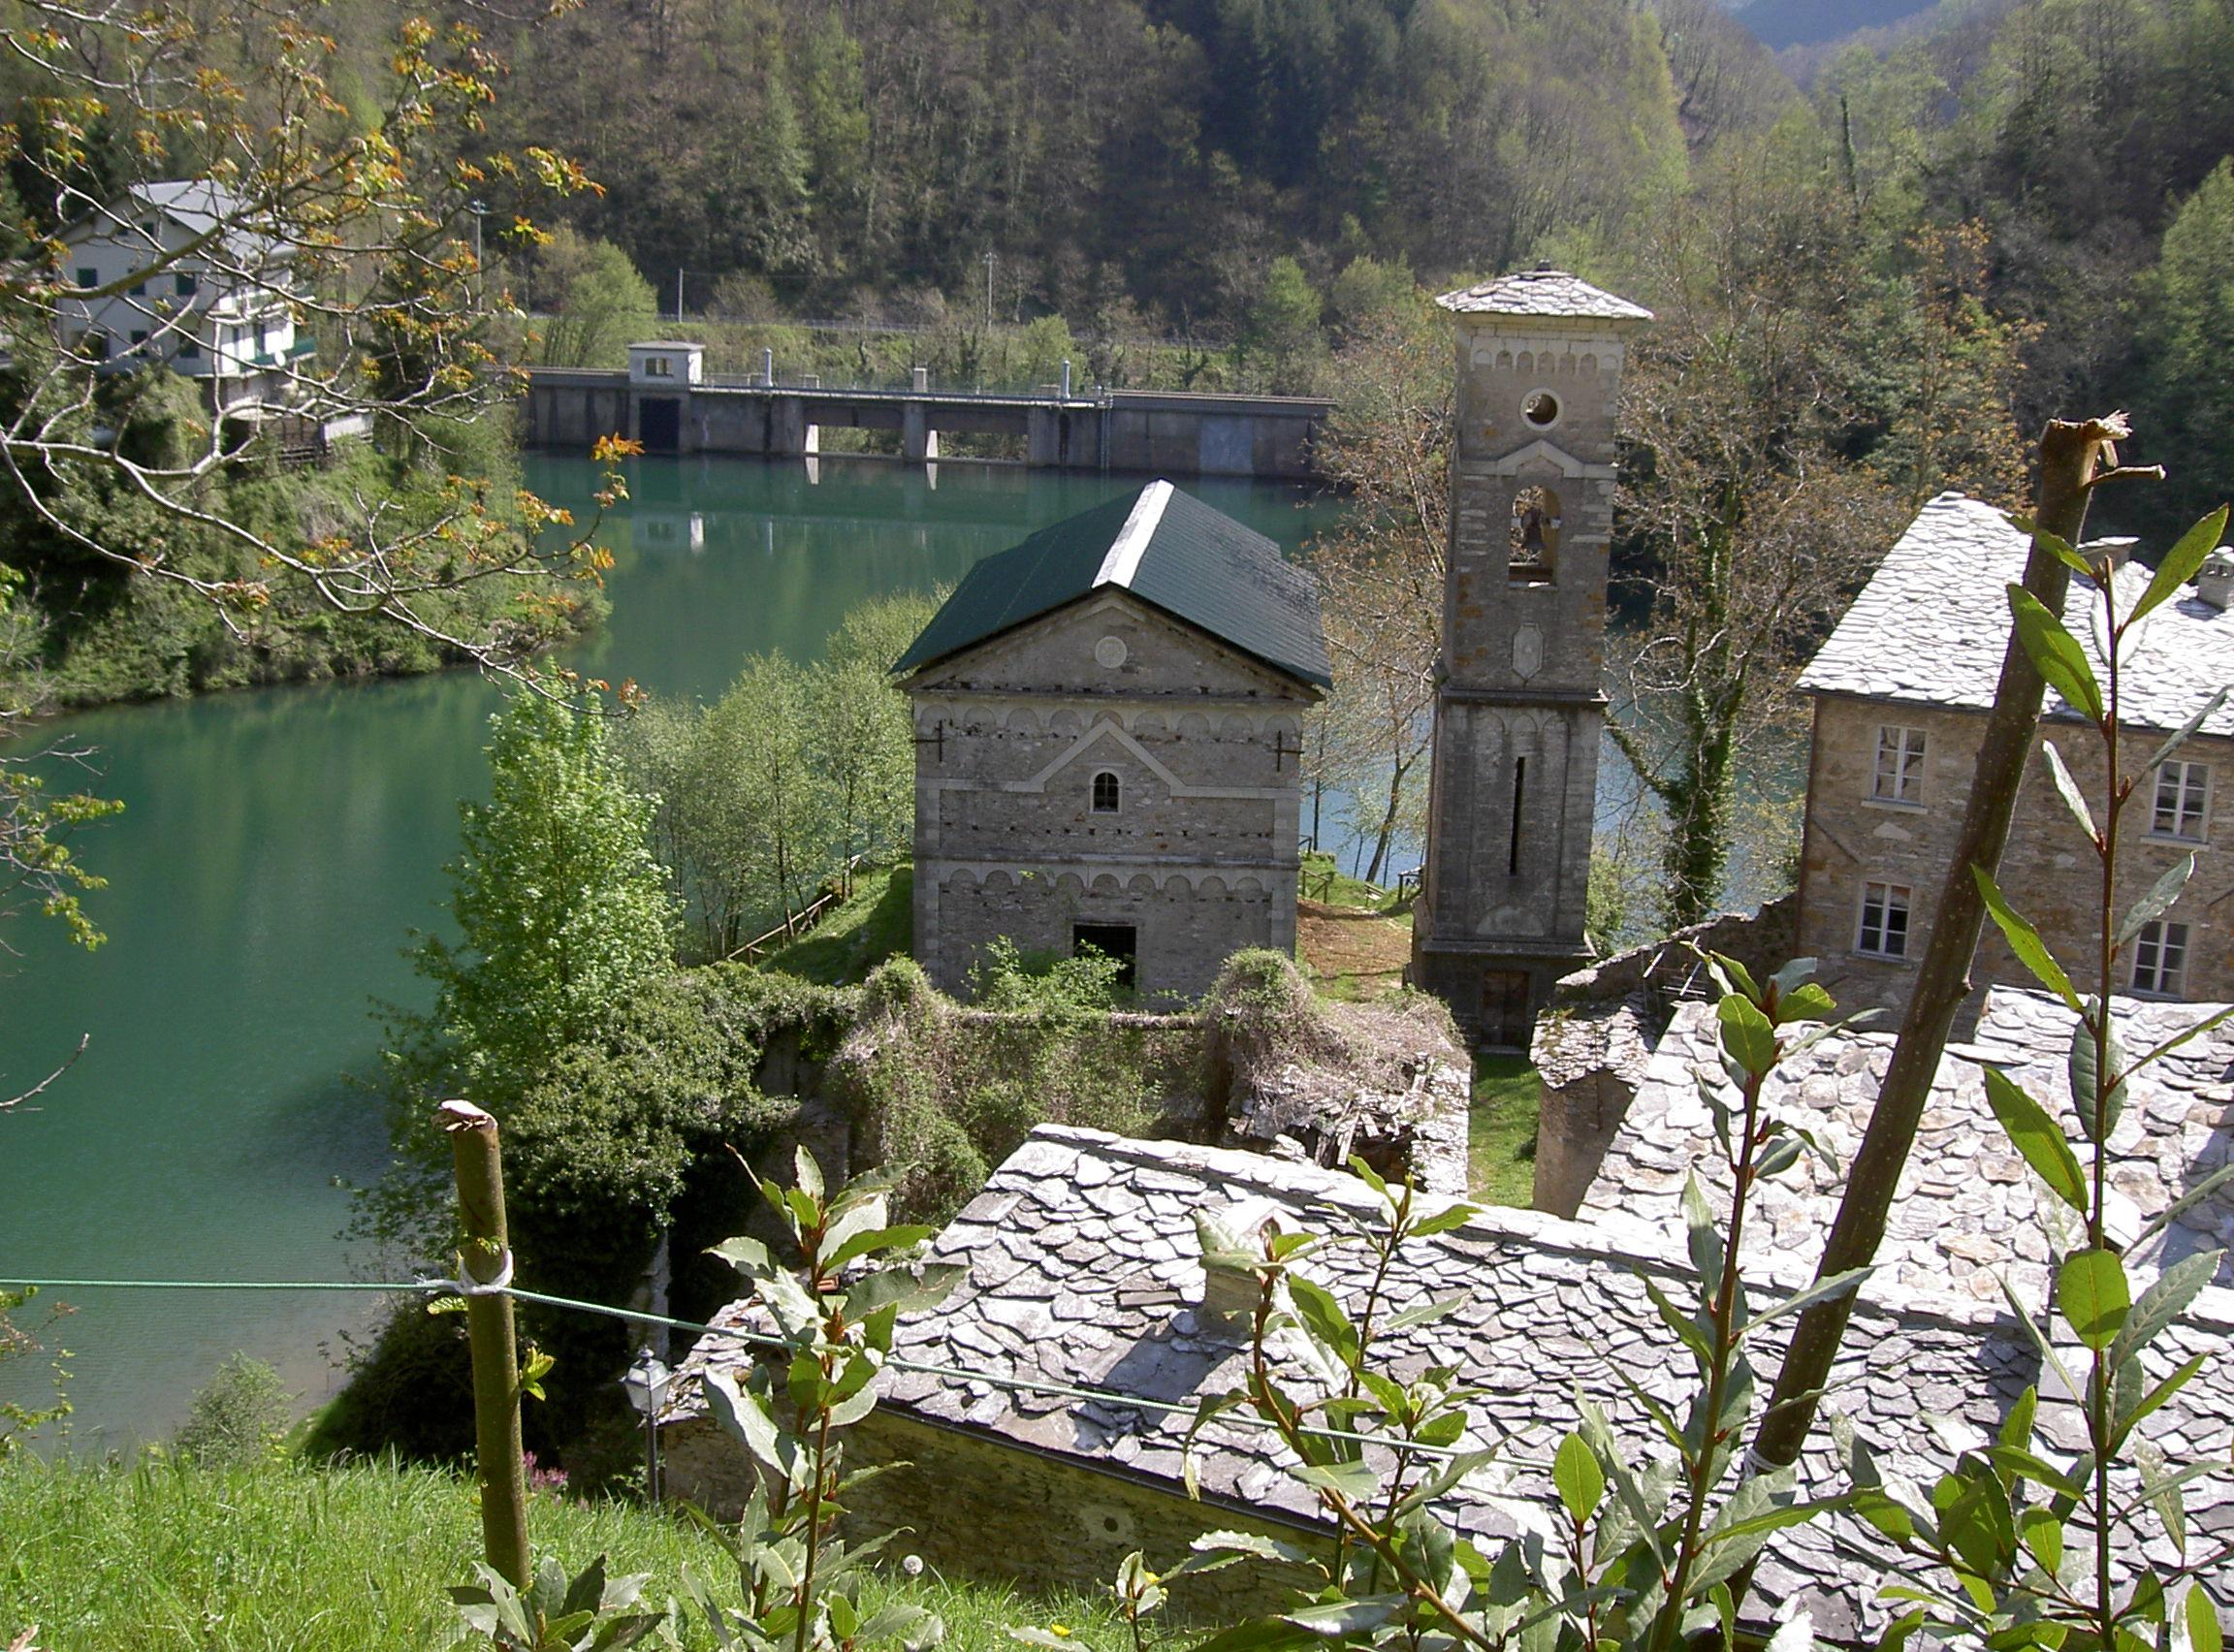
183 284
2182 798
88 276
1107 793
1900 774
2161 959
189 348
139 289
1884 928
139 336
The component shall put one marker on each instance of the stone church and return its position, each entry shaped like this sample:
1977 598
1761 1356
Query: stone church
1513 793
1108 722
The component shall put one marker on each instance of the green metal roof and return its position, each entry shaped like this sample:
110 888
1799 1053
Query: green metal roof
1166 548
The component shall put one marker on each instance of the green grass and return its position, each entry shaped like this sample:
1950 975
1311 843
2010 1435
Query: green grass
1323 880
878 923
1501 1129
350 1559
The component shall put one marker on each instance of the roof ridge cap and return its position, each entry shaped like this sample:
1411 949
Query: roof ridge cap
1123 561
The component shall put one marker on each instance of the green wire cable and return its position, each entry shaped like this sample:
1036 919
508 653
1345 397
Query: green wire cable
755 1339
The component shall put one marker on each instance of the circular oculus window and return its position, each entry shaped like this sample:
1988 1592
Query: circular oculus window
1112 652
1540 408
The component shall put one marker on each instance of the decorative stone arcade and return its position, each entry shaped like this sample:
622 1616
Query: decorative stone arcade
1520 709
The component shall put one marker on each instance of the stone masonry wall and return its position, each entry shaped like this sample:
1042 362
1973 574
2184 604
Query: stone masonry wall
1201 855
974 1507
1594 1045
2048 871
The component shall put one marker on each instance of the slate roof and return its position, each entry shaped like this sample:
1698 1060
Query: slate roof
196 205
1967 1208
1547 292
1085 1271
1932 624
1165 547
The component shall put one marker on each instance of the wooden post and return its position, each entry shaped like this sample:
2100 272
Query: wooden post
486 1259
2075 458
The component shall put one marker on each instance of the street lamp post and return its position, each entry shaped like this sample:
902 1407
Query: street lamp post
646 1383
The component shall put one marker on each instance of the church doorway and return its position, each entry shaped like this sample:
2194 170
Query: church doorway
1505 1022
1121 941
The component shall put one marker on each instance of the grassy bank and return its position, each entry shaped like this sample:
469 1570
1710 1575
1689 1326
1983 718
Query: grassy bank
1501 1130
351 1559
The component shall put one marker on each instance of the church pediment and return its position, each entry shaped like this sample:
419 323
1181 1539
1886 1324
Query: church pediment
1540 457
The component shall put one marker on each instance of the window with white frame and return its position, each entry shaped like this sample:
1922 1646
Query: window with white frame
1900 776
2160 957
2183 797
1883 932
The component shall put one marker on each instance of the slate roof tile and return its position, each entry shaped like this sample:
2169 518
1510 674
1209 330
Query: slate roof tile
1549 293
1932 625
1550 1306
1965 1199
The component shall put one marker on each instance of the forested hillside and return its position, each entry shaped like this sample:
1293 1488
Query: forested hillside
1102 151
1138 167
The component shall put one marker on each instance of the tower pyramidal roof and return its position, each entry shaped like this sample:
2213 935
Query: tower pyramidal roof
1546 293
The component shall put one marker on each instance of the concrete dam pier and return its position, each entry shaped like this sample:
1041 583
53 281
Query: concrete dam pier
665 400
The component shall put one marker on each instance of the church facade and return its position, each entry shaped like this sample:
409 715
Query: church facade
1108 722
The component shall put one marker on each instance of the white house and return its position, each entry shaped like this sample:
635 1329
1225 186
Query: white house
171 273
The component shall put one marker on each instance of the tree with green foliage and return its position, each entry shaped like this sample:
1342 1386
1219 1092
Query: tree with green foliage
238 1418
560 907
594 302
2189 306
1282 327
1748 524
796 774
1380 572
865 730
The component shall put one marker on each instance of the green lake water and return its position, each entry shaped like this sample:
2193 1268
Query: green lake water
278 847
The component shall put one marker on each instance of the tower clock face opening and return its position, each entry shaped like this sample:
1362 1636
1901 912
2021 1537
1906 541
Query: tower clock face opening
1540 409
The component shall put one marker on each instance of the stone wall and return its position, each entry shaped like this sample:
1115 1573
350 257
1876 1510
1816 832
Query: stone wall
2048 871
1592 1048
973 1506
1200 856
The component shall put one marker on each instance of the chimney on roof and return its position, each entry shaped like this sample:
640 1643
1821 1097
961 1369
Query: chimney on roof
2120 551
2215 579
1232 1241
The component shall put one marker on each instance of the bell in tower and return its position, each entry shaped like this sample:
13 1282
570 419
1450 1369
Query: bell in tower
1518 714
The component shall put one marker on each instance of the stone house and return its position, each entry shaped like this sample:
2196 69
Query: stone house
1086 1274
204 293
1902 690
1108 723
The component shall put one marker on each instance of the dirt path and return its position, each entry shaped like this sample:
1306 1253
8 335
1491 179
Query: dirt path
1340 941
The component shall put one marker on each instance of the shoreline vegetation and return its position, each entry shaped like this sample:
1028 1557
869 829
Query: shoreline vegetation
81 631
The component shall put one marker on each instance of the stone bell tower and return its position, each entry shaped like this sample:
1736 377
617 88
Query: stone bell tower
1520 709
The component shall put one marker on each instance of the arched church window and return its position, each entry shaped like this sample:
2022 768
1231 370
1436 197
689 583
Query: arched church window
1105 793
1534 555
